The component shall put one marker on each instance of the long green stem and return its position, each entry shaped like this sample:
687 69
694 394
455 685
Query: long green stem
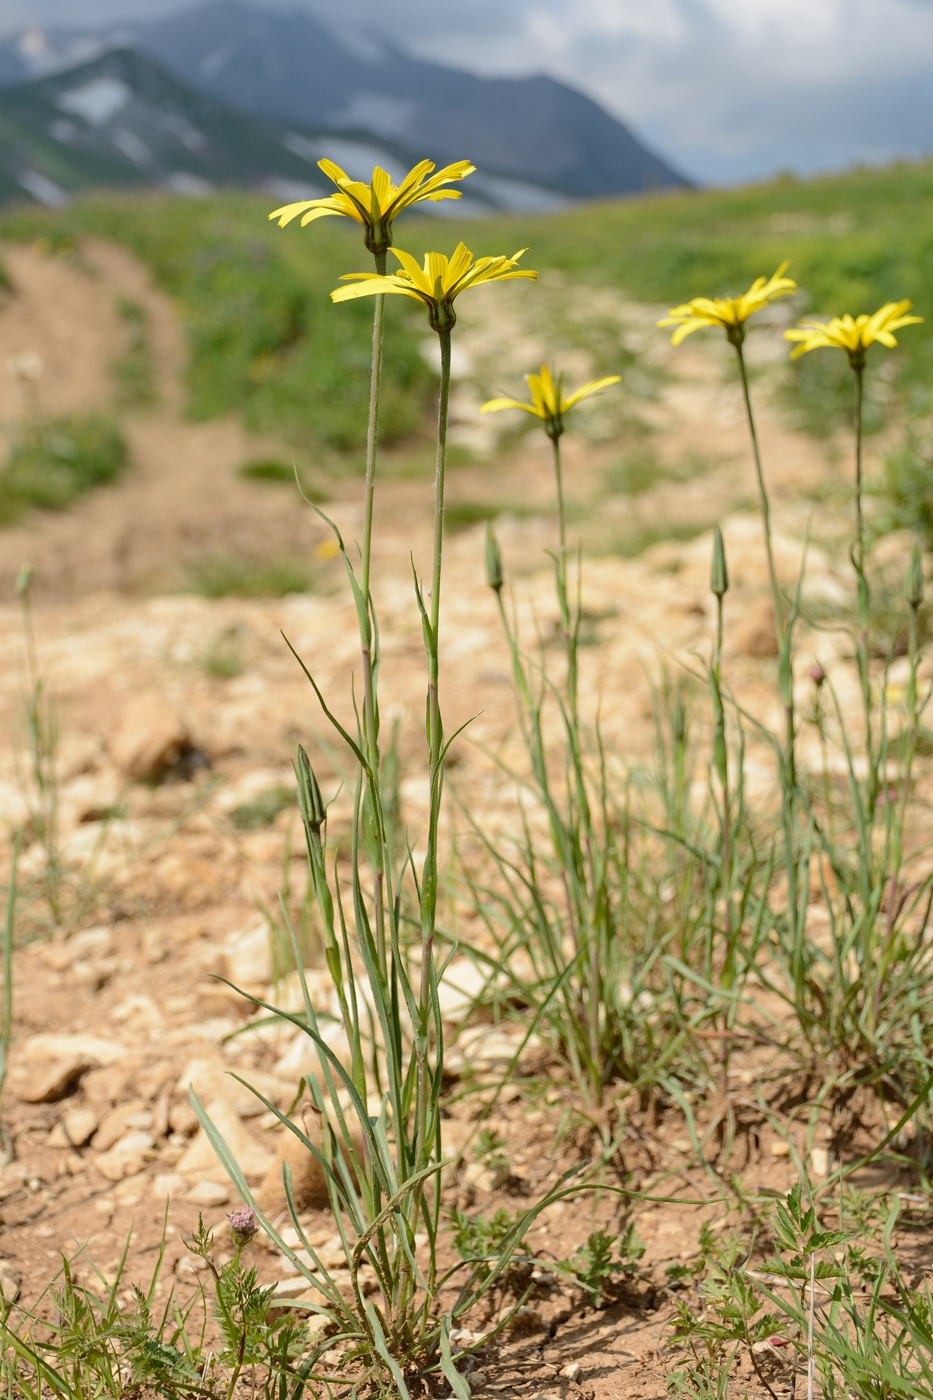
435 735
861 583
786 676
567 626
368 633
763 501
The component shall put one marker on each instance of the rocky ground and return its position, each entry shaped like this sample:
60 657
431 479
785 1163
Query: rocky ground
177 721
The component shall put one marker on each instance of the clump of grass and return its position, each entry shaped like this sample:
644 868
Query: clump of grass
54 461
239 576
262 810
642 469
134 367
907 492
268 470
629 544
223 659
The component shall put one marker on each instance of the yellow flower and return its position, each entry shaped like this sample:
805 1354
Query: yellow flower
853 334
437 283
375 205
548 401
729 312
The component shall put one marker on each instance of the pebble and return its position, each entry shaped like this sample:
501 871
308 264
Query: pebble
248 955
168 1184
74 1129
149 737
486 1178
821 1160
210 1194
527 1319
115 1122
10 1282
572 1371
201 1159
52 1082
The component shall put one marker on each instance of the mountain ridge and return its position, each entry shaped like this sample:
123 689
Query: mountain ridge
284 66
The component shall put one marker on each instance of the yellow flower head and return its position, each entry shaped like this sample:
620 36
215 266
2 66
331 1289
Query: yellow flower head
548 400
375 205
853 334
729 312
437 283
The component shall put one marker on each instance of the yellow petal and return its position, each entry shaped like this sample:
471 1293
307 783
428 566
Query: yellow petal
333 172
494 405
593 387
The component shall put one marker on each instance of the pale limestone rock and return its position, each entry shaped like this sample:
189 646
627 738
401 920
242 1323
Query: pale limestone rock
9 1282
51 1082
74 1129
168 1184
115 1123
210 1079
485 1177
248 955
200 1159
210 1194
149 737
92 1047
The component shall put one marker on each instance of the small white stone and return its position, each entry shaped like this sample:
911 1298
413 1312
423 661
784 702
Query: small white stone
209 1194
486 1178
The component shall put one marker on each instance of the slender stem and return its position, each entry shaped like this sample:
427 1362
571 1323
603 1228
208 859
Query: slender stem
787 687
561 512
861 582
762 497
859 371
567 626
443 409
372 431
435 737
368 633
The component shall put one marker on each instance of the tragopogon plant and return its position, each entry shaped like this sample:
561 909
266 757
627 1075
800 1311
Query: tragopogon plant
375 1125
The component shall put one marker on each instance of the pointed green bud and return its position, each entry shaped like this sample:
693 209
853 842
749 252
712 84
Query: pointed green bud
24 580
310 801
719 574
494 575
915 577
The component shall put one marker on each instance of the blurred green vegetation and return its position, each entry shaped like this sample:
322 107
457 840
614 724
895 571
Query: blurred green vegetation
230 575
52 461
264 338
854 241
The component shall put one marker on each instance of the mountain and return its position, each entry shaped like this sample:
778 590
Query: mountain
120 119
530 137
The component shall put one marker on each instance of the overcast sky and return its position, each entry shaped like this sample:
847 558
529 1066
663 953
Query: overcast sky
726 89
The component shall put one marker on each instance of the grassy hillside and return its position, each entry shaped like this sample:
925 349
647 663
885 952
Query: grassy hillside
264 338
266 341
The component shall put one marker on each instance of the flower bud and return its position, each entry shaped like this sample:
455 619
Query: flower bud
719 575
494 575
242 1226
914 586
310 801
24 579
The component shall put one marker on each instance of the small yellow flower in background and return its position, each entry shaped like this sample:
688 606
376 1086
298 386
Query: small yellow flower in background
327 549
548 401
377 204
437 283
853 334
730 313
